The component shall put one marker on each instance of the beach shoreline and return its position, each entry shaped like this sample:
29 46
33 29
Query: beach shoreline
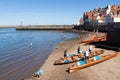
96 72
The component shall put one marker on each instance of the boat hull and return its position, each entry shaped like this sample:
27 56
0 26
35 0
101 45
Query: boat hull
103 58
75 58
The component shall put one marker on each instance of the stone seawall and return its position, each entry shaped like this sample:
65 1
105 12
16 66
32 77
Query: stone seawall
101 28
45 27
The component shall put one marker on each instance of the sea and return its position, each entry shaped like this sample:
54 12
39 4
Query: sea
18 59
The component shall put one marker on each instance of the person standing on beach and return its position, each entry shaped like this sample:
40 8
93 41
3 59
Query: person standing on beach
89 48
89 35
65 53
86 55
97 32
78 50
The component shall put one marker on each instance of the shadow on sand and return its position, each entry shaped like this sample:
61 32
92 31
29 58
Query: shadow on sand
106 45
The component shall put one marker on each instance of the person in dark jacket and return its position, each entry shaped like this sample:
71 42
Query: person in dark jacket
65 53
78 50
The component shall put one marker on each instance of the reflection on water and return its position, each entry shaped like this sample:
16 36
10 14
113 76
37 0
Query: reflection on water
17 59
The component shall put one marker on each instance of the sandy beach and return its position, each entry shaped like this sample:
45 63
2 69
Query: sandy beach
107 70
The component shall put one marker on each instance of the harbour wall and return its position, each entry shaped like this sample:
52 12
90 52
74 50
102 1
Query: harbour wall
101 28
46 27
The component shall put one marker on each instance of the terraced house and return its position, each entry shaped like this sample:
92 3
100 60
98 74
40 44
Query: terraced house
102 16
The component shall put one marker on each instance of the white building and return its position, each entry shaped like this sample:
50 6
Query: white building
110 18
108 9
116 19
100 20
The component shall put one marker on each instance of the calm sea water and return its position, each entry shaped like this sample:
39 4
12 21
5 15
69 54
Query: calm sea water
17 59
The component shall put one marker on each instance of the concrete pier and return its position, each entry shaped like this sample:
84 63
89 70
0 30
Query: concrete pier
46 27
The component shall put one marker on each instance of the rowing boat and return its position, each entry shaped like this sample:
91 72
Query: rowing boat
93 39
91 62
77 57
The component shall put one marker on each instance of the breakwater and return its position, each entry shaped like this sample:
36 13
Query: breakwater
46 27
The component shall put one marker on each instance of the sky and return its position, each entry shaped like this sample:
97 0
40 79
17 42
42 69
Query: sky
47 12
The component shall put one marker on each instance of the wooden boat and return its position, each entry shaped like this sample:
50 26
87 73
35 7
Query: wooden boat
77 57
91 62
93 39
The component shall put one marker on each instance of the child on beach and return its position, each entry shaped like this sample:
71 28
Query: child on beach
38 73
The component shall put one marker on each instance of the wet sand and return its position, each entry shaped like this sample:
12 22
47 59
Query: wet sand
107 70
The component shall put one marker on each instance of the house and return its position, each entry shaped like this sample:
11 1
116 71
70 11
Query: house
109 14
87 17
100 19
114 15
81 21
113 18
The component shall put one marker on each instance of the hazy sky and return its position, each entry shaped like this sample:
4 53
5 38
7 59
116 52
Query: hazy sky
47 12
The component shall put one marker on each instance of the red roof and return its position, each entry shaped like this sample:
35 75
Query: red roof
115 10
116 7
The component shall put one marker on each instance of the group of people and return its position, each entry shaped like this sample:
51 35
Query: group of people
87 52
